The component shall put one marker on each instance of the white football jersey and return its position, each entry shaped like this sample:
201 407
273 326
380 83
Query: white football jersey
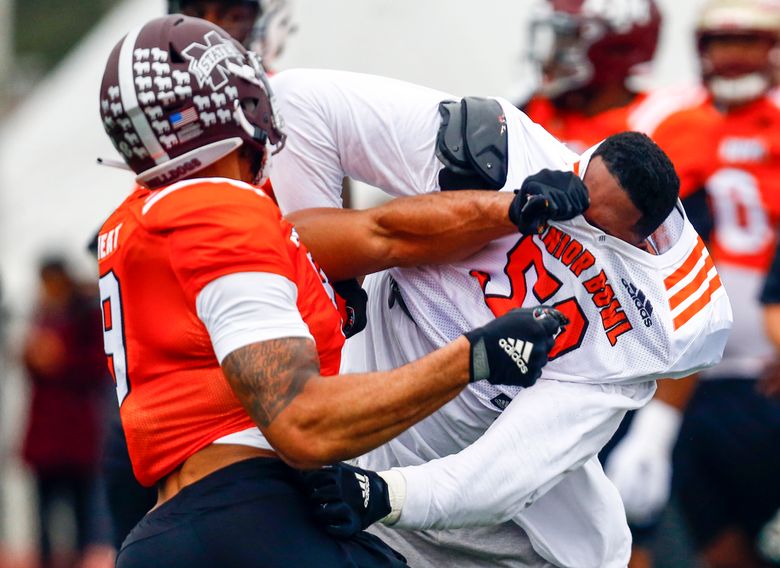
339 123
634 316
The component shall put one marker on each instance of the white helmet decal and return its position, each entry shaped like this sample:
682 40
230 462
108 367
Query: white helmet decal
208 62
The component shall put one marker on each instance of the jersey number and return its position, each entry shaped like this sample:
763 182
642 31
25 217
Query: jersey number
114 333
741 222
524 256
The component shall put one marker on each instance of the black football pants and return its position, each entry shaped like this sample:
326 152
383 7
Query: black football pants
249 514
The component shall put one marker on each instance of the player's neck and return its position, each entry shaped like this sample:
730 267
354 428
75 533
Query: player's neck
227 167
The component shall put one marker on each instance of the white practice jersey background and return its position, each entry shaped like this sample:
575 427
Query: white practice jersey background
635 317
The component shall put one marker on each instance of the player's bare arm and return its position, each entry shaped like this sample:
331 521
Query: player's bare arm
440 228
313 420
437 228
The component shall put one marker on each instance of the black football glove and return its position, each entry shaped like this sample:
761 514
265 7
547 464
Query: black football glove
547 195
512 349
351 301
346 499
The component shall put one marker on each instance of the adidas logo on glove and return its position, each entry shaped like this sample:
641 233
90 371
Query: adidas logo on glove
518 350
364 488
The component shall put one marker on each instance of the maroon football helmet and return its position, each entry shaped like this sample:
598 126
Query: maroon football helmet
179 93
587 43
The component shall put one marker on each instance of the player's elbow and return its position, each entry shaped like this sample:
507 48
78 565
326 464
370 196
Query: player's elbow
306 455
306 442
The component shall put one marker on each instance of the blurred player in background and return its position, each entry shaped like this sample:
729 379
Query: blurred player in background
63 359
769 537
271 30
211 304
521 461
726 462
592 58
588 55
236 17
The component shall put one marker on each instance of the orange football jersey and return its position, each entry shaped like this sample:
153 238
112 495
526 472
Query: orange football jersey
156 252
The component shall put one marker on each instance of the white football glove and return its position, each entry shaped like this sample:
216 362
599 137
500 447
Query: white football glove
640 466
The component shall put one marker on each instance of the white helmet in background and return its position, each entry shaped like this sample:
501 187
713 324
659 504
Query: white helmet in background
735 79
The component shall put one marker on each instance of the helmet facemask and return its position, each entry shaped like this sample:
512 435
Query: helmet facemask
735 80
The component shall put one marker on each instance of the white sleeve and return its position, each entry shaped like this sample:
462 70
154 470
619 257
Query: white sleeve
545 432
373 129
248 307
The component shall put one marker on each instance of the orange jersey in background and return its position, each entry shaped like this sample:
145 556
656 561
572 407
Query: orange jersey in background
736 157
156 252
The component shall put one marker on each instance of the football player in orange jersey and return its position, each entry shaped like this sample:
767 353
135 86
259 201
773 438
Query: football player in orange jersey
263 26
220 329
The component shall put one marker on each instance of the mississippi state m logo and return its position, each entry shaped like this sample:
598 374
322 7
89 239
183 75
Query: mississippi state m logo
208 62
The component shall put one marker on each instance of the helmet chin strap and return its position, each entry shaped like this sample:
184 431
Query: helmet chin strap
738 90
260 159
255 132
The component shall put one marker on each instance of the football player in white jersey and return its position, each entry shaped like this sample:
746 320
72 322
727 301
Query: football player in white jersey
520 464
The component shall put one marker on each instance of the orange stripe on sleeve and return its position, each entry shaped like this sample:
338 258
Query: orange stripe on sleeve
698 305
686 266
689 289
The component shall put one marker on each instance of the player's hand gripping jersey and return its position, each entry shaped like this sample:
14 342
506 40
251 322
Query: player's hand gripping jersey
657 114
156 253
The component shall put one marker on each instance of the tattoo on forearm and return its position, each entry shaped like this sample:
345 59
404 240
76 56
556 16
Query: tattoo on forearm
267 376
